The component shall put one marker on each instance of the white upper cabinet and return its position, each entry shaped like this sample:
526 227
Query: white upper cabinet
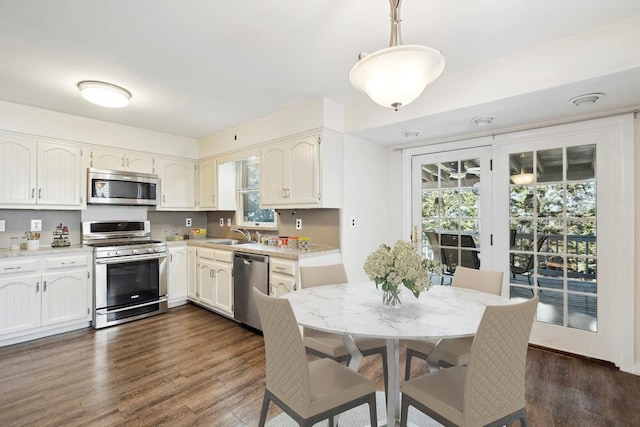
105 158
40 173
304 171
177 184
59 175
207 184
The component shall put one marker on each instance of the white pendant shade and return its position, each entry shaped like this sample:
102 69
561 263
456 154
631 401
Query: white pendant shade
397 75
104 94
522 178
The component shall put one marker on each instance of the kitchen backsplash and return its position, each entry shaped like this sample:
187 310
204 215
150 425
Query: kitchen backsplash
19 220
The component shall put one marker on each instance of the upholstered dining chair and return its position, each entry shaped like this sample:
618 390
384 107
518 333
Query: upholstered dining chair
308 392
325 344
489 390
454 351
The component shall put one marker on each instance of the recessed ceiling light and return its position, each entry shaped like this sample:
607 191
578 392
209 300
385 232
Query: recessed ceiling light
104 94
410 133
586 99
482 121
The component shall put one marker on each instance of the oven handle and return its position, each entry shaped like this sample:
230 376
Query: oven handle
105 311
130 258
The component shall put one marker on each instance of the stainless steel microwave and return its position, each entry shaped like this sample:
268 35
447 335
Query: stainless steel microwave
106 187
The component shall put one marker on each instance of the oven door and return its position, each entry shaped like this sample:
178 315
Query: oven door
129 281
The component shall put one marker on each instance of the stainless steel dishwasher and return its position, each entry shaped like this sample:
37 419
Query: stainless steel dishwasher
249 271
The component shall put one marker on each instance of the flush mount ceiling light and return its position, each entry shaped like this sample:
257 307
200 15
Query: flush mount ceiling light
411 133
397 75
104 94
482 121
587 99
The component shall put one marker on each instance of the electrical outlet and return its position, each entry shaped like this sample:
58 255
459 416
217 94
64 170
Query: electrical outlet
188 222
353 221
36 225
3 225
228 222
221 222
298 224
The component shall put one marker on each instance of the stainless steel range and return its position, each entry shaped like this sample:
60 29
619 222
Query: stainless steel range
130 271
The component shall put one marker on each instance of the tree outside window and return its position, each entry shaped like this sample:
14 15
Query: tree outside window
248 180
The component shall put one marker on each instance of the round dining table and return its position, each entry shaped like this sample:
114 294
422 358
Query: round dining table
356 310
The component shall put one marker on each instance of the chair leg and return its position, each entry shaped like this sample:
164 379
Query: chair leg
385 374
265 409
372 410
407 369
404 411
331 424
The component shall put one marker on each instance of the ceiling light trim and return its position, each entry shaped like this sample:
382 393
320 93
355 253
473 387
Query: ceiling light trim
104 94
586 99
482 120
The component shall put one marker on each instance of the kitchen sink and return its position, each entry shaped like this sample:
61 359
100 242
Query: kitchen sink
229 242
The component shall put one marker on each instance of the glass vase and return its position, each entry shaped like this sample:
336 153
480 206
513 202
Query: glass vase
391 295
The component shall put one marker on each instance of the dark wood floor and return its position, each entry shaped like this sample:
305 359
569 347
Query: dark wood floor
191 367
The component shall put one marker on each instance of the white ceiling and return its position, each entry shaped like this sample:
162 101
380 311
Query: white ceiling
197 67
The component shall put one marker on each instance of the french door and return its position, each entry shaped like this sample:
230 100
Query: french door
559 210
561 234
452 208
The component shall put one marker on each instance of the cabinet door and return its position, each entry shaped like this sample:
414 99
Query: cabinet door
280 285
273 189
192 274
139 163
102 158
177 184
59 174
303 187
17 170
19 303
224 288
66 296
206 282
177 279
207 184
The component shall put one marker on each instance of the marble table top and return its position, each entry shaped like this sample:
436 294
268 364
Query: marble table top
357 309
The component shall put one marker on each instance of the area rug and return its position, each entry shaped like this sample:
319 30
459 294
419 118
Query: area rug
359 417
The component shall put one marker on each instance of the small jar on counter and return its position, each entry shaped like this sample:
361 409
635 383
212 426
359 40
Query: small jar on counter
293 242
304 243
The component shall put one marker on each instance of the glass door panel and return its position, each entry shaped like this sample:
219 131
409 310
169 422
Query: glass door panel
552 228
448 208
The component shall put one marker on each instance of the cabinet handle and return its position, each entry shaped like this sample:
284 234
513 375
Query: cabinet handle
279 268
37 287
295 287
213 198
171 258
33 193
12 268
127 163
122 162
39 193
44 286
68 263
164 199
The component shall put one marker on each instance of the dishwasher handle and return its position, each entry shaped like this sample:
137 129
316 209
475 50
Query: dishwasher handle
251 258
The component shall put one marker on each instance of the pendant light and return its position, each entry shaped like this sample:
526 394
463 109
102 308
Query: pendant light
522 178
397 75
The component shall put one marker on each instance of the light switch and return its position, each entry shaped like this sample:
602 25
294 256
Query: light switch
3 225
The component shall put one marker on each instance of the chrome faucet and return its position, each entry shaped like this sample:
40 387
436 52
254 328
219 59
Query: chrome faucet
245 233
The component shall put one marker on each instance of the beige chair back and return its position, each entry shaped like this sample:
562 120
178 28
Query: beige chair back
322 275
495 380
478 280
287 365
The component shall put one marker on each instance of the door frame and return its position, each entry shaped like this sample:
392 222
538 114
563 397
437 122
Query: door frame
619 196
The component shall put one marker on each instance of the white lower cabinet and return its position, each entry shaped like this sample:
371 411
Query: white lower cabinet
41 296
284 274
177 278
214 280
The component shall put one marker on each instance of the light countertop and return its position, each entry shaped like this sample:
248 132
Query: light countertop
257 248
45 250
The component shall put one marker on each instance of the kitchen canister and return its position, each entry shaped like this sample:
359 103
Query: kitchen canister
293 242
304 243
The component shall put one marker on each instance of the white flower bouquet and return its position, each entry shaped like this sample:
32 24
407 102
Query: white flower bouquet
390 267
